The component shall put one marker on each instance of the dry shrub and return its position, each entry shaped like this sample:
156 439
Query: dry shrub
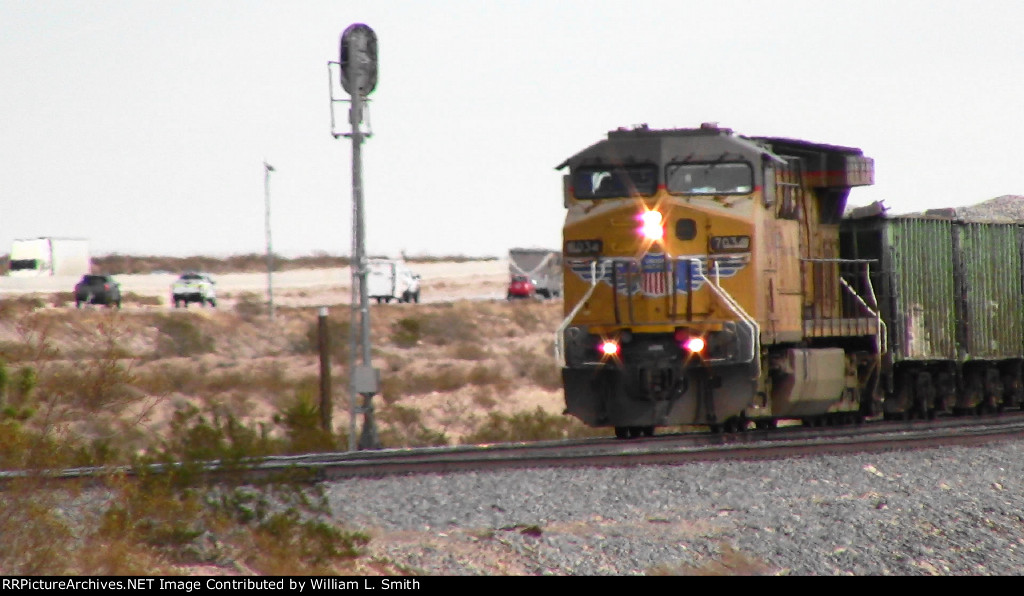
179 336
139 299
730 562
249 306
338 339
403 427
445 377
164 378
484 398
484 375
444 327
35 339
156 526
464 350
16 388
396 362
62 299
287 544
406 332
15 307
111 554
266 378
526 316
536 369
537 425
392 388
92 386
35 540
16 351
101 376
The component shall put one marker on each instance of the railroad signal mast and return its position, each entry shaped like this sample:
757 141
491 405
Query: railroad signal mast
358 67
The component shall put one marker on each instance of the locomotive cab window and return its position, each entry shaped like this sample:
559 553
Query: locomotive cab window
716 178
625 181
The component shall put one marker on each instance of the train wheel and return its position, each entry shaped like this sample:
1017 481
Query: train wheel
622 432
648 431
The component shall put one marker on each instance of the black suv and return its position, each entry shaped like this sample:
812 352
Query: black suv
97 289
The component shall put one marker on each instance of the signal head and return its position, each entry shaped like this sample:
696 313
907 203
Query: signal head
359 60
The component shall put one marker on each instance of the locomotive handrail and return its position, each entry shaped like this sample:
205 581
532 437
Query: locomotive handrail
755 329
559 333
880 342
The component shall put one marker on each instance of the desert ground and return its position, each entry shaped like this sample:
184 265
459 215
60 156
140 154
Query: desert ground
448 364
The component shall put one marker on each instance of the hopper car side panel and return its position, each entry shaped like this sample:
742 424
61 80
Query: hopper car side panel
951 298
992 309
914 280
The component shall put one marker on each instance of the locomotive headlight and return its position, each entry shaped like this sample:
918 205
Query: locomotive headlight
609 347
651 227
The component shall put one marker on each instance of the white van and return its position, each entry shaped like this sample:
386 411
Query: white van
388 280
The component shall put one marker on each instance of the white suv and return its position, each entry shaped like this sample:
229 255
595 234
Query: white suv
193 287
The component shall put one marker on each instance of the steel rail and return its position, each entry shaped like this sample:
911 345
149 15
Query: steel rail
667 449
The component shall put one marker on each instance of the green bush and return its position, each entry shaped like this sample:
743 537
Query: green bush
304 427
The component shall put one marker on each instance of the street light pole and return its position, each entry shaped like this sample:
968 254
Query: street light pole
267 169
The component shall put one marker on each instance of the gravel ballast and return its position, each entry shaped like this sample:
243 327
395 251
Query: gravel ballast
945 511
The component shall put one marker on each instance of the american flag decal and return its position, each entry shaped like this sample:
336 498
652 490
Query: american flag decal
649 277
654 277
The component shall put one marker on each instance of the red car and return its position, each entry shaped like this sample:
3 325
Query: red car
521 287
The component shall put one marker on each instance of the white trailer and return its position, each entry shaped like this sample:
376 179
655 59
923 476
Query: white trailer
541 265
388 279
56 257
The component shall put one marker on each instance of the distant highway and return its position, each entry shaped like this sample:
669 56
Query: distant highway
301 287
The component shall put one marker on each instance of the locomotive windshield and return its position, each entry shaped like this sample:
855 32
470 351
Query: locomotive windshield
716 178
624 181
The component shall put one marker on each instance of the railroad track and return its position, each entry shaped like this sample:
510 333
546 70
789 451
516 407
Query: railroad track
667 449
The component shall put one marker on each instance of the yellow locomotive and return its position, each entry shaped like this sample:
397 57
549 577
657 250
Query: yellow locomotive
703 283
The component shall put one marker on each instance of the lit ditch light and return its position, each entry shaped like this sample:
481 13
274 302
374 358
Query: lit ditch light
694 344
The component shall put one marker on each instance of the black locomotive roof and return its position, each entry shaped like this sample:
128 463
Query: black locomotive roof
623 144
796 144
634 144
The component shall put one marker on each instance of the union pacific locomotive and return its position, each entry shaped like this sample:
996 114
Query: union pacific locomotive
712 279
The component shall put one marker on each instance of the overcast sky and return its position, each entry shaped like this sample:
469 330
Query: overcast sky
143 125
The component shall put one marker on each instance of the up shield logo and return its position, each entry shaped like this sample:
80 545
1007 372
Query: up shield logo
652 275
